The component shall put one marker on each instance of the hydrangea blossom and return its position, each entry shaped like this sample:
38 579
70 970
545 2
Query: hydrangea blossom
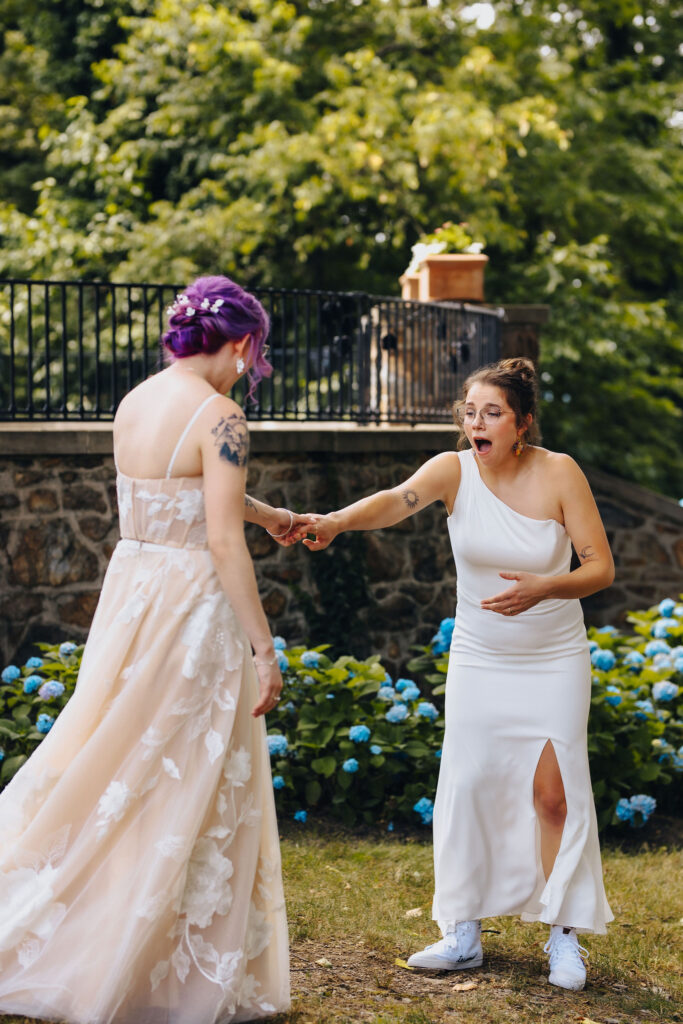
289 706
398 713
593 645
411 692
278 782
277 744
613 696
359 733
609 630
656 647
661 661
438 753
446 627
439 644
634 659
375 749
678 611
678 664
279 643
308 680
386 693
282 660
310 659
44 723
603 659
401 684
31 683
67 648
646 708
662 628
387 678
2 754
664 690
10 673
425 709
34 662
300 816
635 809
350 765
425 808
52 688
666 607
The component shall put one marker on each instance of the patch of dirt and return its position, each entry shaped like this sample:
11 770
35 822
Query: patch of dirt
347 983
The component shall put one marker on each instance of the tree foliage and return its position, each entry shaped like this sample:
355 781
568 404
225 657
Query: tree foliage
309 143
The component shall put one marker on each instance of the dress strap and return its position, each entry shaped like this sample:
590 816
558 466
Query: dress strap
187 430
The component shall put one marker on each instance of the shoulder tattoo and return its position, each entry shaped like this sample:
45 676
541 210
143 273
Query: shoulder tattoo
411 499
231 437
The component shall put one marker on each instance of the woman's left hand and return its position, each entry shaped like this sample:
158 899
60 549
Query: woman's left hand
528 590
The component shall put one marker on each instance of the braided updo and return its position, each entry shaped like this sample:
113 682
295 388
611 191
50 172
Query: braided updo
517 379
212 312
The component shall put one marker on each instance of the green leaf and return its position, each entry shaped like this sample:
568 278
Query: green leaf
313 791
324 766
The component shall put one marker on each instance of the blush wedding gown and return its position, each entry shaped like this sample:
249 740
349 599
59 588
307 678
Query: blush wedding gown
140 877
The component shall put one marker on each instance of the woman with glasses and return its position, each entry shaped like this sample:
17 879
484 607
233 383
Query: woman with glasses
515 830
140 867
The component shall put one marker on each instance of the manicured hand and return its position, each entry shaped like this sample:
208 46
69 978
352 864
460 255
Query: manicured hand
325 529
528 590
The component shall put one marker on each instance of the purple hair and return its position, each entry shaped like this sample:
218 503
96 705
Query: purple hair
212 312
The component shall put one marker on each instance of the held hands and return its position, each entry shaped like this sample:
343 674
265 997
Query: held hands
529 590
287 527
324 528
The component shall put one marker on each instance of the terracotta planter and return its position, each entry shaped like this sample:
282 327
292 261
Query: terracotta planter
452 276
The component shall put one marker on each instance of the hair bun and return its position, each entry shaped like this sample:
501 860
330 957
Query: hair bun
519 366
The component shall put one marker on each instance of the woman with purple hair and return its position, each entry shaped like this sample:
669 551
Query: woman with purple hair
140 869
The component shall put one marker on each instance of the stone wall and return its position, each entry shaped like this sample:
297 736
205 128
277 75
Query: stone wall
58 527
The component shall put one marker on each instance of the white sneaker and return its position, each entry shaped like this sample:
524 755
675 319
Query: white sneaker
454 952
566 956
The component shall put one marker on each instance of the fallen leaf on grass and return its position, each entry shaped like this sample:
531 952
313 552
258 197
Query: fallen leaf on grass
587 1020
467 986
415 912
404 965
324 962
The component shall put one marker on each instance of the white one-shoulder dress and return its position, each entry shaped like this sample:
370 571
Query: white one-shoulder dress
513 685
140 877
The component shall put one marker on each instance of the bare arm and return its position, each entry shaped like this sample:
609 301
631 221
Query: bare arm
224 446
284 526
437 480
583 524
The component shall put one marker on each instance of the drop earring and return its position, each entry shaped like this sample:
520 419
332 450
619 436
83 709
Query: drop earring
519 446
240 365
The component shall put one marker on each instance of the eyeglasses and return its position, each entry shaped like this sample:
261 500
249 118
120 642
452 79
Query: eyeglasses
490 414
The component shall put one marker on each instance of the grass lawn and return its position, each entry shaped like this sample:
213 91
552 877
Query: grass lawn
348 899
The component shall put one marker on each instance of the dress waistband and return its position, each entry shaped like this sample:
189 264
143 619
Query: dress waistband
147 545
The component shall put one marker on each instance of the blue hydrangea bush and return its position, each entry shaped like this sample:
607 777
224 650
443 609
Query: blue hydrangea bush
348 740
31 697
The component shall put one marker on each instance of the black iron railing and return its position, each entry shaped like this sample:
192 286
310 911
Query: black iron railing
71 349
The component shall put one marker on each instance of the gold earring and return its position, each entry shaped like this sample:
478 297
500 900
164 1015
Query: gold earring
519 446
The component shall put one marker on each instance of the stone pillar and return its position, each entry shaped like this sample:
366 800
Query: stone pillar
521 330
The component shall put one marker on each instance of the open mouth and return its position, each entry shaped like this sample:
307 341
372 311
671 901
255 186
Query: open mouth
482 444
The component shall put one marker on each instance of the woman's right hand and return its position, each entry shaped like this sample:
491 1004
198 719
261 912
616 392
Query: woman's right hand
270 687
325 529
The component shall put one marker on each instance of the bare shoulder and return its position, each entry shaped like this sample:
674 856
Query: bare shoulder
558 466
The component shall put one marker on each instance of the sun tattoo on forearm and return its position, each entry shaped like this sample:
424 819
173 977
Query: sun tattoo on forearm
587 554
411 499
232 439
